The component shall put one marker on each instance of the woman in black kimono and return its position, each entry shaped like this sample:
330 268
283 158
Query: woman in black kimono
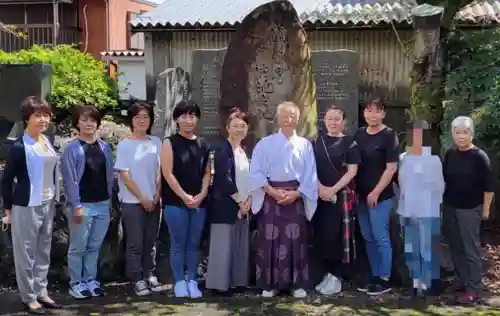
337 159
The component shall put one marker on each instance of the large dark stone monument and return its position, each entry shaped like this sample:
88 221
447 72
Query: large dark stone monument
16 83
206 81
268 61
336 75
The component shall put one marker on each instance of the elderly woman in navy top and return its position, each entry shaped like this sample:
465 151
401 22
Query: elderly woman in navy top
87 170
469 187
29 188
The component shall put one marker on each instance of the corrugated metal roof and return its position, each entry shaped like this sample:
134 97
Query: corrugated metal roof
123 53
227 13
481 12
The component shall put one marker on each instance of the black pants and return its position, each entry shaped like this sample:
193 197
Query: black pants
462 228
141 232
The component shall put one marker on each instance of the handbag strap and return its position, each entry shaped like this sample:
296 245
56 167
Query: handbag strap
328 156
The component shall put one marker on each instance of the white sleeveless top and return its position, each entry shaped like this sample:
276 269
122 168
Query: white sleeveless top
241 170
50 160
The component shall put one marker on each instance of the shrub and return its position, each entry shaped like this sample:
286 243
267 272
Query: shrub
77 78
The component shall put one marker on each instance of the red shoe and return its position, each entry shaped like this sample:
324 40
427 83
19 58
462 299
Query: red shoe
466 298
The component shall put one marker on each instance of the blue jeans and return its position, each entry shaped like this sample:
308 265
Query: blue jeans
374 226
185 227
422 240
86 240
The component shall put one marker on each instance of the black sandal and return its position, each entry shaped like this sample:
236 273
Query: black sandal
36 310
49 305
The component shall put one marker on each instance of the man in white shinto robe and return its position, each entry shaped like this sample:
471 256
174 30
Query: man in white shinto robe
283 187
422 186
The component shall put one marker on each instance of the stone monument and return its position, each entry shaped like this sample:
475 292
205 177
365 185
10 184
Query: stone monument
16 83
268 61
206 78
173 85
336 76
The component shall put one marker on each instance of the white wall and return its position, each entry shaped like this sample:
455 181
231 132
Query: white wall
132 79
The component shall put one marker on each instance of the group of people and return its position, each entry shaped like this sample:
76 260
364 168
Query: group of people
290 186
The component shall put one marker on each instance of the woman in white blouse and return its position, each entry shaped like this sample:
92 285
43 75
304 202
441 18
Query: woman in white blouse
228 260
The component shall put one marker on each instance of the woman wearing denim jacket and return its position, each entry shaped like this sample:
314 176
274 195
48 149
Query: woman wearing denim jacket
87 170
29 188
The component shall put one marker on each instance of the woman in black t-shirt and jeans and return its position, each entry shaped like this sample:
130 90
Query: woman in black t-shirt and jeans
467 199
377 144
186 176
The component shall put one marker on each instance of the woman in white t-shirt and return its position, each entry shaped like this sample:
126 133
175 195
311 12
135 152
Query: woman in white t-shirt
138 162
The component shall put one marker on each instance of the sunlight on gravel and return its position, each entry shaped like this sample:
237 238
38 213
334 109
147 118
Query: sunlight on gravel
279 309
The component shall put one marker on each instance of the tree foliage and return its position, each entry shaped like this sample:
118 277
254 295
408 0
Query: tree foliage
77 78
429 68
473 85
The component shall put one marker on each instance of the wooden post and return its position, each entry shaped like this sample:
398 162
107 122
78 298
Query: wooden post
55 22
427 68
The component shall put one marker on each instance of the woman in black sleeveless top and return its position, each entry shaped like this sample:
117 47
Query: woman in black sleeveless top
186 176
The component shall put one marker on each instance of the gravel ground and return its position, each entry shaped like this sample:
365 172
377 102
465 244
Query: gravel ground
119 301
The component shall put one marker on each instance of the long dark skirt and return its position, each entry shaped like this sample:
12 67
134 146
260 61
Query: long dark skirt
327 235
334 237
281 262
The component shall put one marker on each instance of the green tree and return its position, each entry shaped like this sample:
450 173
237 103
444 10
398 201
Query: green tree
430 61
77 78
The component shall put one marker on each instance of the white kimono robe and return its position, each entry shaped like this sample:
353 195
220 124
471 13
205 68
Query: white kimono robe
278 158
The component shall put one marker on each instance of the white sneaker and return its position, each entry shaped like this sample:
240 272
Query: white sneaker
194 291
95 288
269 294
154 285
80 291
299 293
323 282
332 286
181 289
141 288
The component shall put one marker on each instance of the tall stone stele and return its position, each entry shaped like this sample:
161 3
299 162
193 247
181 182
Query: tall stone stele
206 79
336 78
268 61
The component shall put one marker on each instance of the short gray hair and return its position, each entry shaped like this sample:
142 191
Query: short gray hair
287 104
463 122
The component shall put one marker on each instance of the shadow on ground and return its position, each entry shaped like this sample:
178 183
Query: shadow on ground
119 301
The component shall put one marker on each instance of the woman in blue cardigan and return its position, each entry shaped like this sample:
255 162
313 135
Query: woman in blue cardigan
29 189
87 170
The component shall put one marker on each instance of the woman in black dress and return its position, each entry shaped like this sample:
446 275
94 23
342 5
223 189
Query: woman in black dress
337 159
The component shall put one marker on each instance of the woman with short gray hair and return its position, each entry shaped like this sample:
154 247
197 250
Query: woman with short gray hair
467 199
